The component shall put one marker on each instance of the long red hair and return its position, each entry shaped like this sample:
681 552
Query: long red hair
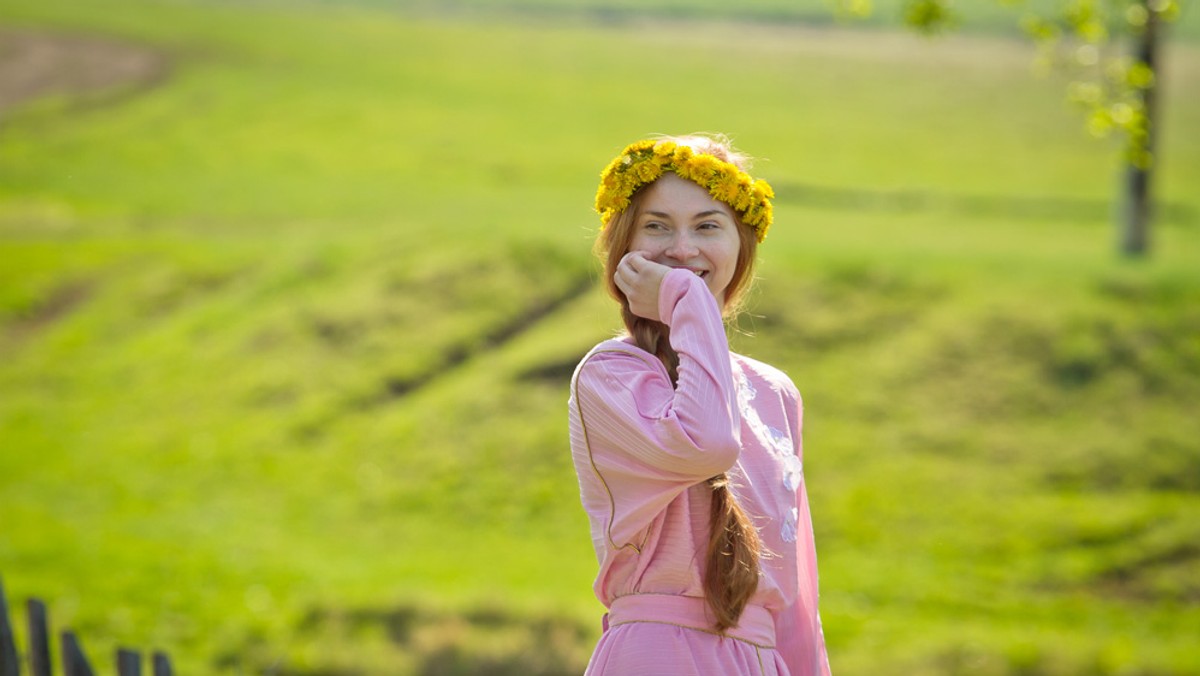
731 569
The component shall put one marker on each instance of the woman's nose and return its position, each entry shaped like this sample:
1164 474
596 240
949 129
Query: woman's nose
681 247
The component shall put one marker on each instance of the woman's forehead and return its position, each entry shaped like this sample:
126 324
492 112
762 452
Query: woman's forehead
672 195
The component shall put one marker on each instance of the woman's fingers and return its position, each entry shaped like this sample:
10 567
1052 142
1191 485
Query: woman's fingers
629 270
634 261
622 282
639 278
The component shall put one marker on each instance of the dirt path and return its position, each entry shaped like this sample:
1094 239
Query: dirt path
35 64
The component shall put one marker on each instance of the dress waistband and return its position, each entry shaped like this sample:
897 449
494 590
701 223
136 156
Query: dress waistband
755 626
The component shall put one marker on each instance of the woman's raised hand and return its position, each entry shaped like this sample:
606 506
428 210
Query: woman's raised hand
639 278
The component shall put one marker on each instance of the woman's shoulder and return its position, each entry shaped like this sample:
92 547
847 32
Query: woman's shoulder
764 372
616 356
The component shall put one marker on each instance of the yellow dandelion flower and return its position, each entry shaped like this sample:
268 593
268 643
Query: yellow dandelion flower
703 168
639 147
725 188
646 172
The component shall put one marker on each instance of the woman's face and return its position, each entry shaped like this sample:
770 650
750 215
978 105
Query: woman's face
678 224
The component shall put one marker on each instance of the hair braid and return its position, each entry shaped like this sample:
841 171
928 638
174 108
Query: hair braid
731 566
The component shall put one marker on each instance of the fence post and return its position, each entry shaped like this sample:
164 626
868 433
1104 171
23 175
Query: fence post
39 638
10 661
129 662
74 661
162 664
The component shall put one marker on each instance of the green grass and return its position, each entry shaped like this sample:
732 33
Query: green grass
284 341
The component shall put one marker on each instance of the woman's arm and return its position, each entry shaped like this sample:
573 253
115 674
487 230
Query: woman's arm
627 404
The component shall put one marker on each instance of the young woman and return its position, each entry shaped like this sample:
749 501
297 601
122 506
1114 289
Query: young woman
688 455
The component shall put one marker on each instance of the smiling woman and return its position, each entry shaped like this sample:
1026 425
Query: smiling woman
689 456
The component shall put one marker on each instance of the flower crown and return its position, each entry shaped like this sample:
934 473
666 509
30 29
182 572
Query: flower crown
645 161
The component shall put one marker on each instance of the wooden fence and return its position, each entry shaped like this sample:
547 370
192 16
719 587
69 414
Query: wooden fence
74 661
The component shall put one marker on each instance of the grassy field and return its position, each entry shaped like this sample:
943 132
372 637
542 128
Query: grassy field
285 337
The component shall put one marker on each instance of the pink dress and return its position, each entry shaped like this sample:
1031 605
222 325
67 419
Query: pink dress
643 451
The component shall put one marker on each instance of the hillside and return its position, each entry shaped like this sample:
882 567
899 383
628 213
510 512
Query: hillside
286 325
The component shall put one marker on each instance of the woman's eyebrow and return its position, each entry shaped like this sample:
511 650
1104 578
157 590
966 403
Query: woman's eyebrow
702 214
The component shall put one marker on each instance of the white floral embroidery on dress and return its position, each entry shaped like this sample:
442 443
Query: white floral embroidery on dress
790 525
793 473
782 443
745 389
746 394
779 444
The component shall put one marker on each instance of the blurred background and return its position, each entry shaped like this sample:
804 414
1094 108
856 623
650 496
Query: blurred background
291 293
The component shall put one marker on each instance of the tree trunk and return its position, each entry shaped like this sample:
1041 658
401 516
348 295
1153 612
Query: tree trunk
1138 205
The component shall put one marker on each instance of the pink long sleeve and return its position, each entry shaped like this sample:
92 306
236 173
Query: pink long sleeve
689 430
669 437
